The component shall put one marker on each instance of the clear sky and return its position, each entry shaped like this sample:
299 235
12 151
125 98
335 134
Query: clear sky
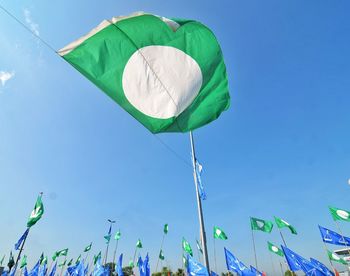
281 149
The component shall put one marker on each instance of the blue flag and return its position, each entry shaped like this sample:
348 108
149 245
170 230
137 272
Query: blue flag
236 265
13 271
86 270
53 271
322 267
21 239
119 268
212 273
25 271
35 269
108 236
297 262
255 271
195 268
332 237
139 263
199 170
76 270
144 267
99 270
43 270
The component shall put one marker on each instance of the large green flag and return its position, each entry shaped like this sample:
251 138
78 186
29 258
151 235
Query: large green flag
186 247
274 249
219 234
23 261
117 236
166 228
139 244
37 212
169 74
260 224
339 214
62 252
87 248
282 223
334 257
161 255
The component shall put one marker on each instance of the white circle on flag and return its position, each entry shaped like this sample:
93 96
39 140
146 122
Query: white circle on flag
274 248
260 223
343 214
161 81
335 257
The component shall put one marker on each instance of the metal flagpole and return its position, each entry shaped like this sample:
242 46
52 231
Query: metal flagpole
216 268
284 242
330 261
161 247
115 252
273 267
199 206
281 269
256 260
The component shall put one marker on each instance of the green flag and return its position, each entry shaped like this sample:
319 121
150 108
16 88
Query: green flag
78 259
98 256
2 259
70 262
166 228
23 261
219 234
62 264
184 260
260 224
37 212
131 264
88 247
169 74
339 214
282 223
43 261
62 252
139 244
41 258
161 256
117 236
334 257
186 247
199 247
274 249
107 238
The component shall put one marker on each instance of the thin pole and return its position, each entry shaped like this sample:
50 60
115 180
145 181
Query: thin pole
115 252
106 255
20 251
273 267
284 242
199 206
64 264
256 260
133 260
216 268
281 269
87 255
330 261
161 247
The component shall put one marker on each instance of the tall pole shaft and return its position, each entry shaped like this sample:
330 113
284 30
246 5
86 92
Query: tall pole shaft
161 247
115 252
256 260
284 242
21 249
199 206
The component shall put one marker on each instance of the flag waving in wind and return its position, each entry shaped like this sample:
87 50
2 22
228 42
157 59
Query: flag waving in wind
219 234
21 239
260 224
199 170
108 236
332 237
166 228
186 247
282 223
195 268
169 74
274 249
37 212
87 248
339 214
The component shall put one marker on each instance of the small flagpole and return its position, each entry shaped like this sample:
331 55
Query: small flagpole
284 242
273 267
256 260
216 268
161 247
64 264
115 251
199 206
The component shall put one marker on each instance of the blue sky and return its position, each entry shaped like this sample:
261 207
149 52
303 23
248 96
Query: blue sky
281 149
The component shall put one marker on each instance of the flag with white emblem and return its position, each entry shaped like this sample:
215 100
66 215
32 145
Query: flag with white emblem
282 223
37 212
339 214
261 225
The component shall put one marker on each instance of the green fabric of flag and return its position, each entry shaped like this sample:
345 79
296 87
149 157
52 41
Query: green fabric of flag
41 257
70 262
186 247
261 225
166 228
184 260
334 257
23 261
43 261
62 252
117 236
199 246
139 244
219 234
274 249
339 214
62 264
131 263
37 212
2 259
87 248
107 238
282 223
98 256
169 74
161 255
78 259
